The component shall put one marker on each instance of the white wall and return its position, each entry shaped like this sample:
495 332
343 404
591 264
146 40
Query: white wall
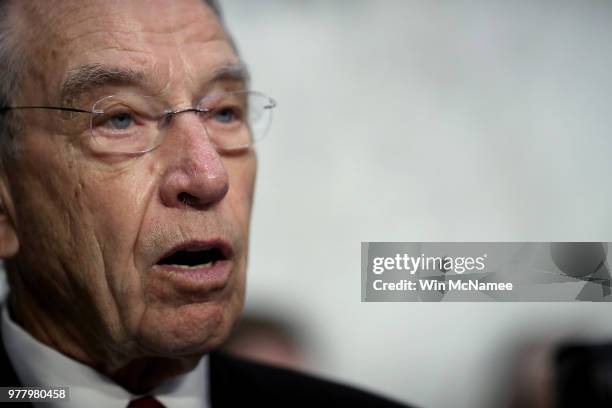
424 121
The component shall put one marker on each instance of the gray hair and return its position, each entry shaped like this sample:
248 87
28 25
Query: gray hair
12 66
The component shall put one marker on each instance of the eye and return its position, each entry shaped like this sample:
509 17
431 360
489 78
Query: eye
120 121
226 115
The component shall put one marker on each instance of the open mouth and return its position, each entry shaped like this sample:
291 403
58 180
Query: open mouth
193 258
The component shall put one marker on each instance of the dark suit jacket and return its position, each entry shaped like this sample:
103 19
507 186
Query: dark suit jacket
235 382
583 375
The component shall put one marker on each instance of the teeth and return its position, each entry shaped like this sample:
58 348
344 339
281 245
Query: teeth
206 265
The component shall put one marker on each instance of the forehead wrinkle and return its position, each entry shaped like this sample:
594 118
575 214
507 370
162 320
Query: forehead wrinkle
83 34
107 19
196 75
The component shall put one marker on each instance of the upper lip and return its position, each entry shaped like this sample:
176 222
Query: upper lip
222 245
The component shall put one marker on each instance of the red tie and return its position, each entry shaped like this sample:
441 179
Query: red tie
145 402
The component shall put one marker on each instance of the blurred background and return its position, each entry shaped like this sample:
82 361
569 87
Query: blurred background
423 120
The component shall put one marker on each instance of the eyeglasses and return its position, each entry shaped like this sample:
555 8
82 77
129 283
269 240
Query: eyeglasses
129 123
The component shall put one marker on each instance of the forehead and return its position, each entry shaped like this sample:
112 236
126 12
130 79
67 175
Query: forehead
170 41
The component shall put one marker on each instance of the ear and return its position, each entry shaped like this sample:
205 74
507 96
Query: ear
9 242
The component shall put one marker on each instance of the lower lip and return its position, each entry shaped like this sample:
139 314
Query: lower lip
204 278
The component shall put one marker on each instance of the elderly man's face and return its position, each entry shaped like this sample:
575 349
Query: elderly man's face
96 232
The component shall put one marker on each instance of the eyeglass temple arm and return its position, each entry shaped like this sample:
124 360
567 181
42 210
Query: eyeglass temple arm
8 108
271 104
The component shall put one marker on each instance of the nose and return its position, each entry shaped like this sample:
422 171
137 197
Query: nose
194 174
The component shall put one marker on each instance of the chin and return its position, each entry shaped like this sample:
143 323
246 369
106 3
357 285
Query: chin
188 330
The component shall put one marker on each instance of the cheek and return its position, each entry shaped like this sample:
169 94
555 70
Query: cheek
242 185
47 211
120 206
76 228
52 216
121 202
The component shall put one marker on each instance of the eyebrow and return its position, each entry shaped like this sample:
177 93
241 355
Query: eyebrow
233 71
85 78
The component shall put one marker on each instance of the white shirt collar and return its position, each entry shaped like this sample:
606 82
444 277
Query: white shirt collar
36 364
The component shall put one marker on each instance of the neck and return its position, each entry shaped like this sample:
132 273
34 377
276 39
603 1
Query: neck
143 374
